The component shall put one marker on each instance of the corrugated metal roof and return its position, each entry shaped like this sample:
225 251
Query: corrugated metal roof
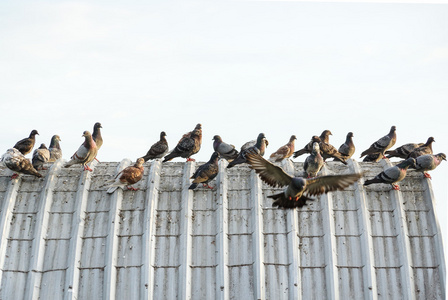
64 237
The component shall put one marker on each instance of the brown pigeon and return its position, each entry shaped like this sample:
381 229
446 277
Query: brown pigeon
26 145
40 156
85 153
308 147
188 145
423 149
206 173
383 144
17 162
402 151
225 150
130 175
285 151
428 162
298 188
259 147
393 174
158 149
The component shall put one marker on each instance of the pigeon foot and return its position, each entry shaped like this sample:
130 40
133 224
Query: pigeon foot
86 167
132 188
14 176
427 175
396 187
190 159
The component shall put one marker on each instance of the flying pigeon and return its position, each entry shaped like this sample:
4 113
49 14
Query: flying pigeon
424 149
298 188
428 162
189 144
348 148
26 145
128 176
96 135
314 162
158 149
393 174
285 151
85 153
17 162
40 156
55 148
308 147
205 173
225 150
374 157
383 144
259 147
403 151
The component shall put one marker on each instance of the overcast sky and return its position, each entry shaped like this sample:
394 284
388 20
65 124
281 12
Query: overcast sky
237 67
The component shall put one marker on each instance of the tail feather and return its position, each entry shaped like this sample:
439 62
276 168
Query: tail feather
112 189
299 152
370 181
281 201
193 186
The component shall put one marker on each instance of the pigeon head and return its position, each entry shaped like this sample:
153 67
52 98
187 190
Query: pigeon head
292 138
316 148
350 134
33 133
198 126
392 129
217 138
214 157
162 134
298 183
430 140
97 125
315 138
86 134
139 162
56 138
260 138
42 146
325 133
441 156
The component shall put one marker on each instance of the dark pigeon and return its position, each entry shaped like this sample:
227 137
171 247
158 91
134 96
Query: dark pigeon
17 162
375 157
40 157
189 144
285 151
348 148
85 153
96 135
314 162
55 148
158 149
298 189
383 144
428 162
393 174
423 149
206 173
259 147
127 177
26 145
402 151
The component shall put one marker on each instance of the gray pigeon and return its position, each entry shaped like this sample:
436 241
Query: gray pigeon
259 147
40 157
422 150
17 162
428 162
158 149
393 174
55 148
348 148
403 151
298 188
188 145
206 173
26 145
225 150
285 151
314 162
85 153
374 157
383 144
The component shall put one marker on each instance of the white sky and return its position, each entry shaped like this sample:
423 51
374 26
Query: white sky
237 67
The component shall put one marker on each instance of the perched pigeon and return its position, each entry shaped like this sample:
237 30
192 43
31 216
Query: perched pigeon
428 162
403 151
96 135
285 151
225 150
348 148
16 161
314 162
85 153
383 144
308 147
330 151
205 173
158 149
55 148
393 174
130 175
325 136
259 147
26 145
40 156
374 157
298 188
423 149
189 144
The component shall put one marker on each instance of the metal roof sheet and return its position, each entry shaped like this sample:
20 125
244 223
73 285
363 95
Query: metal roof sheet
64 237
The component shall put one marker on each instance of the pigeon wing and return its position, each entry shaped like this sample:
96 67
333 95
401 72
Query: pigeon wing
269 173
325 184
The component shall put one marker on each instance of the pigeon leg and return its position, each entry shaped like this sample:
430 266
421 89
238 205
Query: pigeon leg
427 175
86 167
190 159
296 199
132 188
14 176
97 160
385 157
396 187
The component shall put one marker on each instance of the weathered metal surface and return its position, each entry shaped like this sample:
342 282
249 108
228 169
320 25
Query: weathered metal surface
63 236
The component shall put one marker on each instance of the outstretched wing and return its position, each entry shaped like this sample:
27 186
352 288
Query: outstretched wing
269 173
325 184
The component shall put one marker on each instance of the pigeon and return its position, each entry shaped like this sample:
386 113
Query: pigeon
374 157
85 153
348 148
259 147
428 162
96 135
130 175
383 144
329 150
40 156
55 148
314 162
308 147
17 162
26 145
403 151
205 173
298 188
325 136
225 150
189 144
393 174
285 151
424 149
158 149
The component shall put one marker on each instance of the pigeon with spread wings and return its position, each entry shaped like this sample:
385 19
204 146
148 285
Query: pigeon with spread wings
298 188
